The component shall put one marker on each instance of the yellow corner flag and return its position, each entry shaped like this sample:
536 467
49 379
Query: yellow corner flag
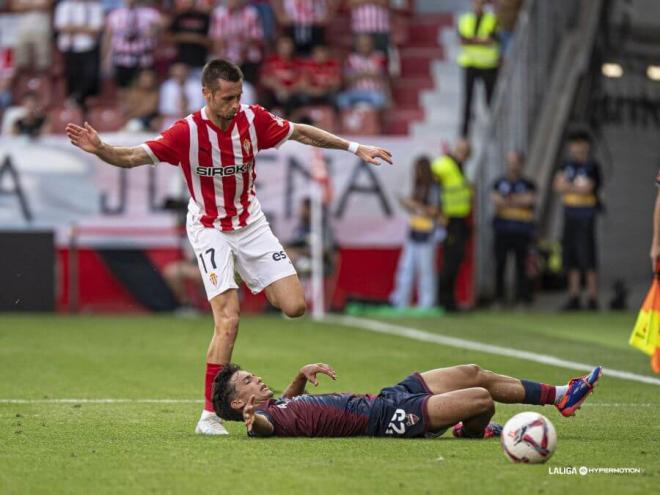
646 334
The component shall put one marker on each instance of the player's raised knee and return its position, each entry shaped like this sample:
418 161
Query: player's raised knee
294 309
482 397
471 370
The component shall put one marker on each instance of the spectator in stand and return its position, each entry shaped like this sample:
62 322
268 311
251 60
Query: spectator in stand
417 260
514 198
479 56
507 14
305 21
131 36
34 122
78 24
372 17
238 36
321 78
33 35
140 103
281 78
267 17
6 78
365 76
578 182
180 94
189 31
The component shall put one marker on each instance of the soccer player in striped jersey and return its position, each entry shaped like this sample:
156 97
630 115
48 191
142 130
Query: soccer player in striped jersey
215 148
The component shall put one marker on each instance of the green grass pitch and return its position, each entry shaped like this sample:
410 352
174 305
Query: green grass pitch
138 447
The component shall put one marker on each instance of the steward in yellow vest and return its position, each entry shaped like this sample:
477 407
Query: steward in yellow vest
455 206
479 55
479 46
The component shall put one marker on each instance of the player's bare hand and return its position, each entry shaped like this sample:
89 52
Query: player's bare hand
86 138
311 370
373 154
249 412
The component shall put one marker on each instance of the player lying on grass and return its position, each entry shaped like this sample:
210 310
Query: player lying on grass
423 404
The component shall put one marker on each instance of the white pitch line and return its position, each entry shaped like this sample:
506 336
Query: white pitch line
421 335
99 401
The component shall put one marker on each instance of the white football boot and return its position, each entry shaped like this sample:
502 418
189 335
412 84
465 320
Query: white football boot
210 424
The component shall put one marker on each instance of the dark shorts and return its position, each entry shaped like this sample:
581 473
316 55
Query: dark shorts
124 76
401 411
579 244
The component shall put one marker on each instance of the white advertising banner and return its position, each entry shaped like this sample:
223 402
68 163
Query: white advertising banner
50 184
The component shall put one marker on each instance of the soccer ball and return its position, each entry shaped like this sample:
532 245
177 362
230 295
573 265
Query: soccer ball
529 438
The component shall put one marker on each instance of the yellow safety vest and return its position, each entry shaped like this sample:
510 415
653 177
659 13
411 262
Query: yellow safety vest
478 56
456 195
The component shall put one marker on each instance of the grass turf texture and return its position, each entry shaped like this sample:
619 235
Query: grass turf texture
150 448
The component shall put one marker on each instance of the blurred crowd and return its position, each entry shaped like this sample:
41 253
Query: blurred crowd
136 64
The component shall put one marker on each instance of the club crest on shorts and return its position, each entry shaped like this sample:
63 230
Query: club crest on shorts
412 419
214 279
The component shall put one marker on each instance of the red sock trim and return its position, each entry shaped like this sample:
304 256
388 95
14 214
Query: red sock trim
212 369
548 394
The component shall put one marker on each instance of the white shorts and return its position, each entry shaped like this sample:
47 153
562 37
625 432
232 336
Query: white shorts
253 251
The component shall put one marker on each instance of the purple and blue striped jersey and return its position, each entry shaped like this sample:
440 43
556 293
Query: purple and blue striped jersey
327 415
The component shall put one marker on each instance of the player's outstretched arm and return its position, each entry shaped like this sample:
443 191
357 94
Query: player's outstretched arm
87 139
313 136
256 424
307 373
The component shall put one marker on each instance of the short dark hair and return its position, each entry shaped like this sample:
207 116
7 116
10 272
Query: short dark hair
579 135
223 392
219 68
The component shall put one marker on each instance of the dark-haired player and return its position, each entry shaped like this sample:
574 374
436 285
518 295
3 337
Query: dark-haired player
215 148
423 404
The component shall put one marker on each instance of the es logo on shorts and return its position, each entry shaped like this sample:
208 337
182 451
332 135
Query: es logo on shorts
279 256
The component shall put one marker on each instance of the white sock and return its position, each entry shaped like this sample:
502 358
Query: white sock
206 414
560 391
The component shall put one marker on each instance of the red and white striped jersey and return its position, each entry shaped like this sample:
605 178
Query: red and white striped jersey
240 32
373 65
134 35
305 12
370 18
219 166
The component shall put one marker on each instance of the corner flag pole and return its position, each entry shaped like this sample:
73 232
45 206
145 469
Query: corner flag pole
646 333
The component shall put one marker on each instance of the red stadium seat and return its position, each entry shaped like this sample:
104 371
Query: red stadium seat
106 119
361 120
59 117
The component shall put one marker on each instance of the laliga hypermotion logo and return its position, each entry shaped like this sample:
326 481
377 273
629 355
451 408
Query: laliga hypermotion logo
214 279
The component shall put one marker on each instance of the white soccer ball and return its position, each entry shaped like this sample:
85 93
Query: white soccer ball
529 438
